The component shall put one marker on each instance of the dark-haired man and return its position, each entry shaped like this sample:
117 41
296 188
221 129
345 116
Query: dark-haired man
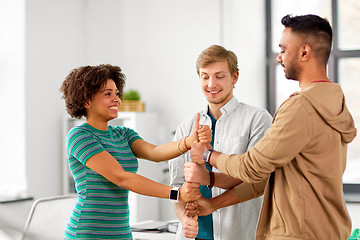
304 151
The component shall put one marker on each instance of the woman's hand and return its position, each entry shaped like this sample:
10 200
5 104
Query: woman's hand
196 173
189 192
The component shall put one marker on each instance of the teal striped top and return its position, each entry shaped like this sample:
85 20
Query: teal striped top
102 209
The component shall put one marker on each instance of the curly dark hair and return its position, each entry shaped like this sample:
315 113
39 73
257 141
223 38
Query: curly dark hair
84 82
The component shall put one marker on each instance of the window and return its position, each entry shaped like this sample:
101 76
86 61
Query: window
12 100
343 67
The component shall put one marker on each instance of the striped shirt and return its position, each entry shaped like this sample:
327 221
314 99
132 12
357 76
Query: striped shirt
102 209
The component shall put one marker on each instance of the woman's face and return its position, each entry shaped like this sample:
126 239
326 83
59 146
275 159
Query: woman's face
105 104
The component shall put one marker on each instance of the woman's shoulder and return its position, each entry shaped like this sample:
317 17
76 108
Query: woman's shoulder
119 129
123 131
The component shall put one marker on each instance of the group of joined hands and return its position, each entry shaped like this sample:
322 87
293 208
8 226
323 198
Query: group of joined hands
196 174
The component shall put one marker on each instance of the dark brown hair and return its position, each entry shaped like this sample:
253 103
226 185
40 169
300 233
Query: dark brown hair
84 82
317 32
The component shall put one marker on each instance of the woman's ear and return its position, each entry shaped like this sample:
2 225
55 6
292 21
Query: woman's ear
87 104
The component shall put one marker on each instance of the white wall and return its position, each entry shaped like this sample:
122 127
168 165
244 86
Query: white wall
155 42
55 32
12 120
245 34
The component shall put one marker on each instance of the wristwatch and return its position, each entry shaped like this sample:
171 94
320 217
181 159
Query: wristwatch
206 156
174 194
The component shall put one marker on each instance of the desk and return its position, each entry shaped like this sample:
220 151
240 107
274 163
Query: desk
153 230
153 236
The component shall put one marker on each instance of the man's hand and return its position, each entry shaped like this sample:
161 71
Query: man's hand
201 207
189 192
197 152
204 134
196 173
190 226
205 206
199 133
191 209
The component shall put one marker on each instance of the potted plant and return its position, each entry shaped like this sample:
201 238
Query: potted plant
131 102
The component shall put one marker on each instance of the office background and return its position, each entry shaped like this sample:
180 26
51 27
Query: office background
155 42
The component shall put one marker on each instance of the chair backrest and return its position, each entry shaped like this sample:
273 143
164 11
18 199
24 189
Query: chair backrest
48 218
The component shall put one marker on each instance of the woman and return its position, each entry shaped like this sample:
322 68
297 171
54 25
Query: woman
103 159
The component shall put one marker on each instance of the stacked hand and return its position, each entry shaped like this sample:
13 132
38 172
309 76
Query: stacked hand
196 173
200 135
191 226
190 191
201 207
197 152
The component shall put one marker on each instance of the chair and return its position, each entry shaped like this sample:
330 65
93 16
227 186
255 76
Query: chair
48 218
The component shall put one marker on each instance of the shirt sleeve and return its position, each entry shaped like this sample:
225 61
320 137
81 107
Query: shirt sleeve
176 165
82 145
288 135
260 124
130 134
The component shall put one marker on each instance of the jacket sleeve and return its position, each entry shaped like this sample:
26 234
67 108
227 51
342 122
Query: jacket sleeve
247 191
288 135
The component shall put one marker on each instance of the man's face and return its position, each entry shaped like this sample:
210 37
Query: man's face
289 56
217 82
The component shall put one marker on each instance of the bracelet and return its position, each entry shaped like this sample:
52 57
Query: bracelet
178 147
212 179
185 143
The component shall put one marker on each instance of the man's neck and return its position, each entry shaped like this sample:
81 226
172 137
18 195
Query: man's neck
312 74
303 83
214 110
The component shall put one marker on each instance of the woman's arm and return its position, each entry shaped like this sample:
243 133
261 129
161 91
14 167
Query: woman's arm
166 151
104 164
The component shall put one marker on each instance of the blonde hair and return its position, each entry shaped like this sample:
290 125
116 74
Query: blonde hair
217 53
